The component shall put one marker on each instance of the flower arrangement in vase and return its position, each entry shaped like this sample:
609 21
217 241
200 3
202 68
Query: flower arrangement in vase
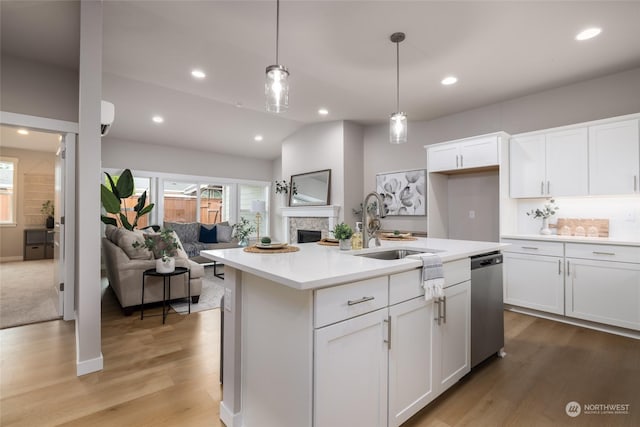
242 230
164 246
549 209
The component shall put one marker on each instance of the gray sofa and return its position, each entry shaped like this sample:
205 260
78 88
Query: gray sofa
189 234
125 265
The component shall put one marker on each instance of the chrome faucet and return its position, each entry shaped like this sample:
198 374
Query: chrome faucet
371 222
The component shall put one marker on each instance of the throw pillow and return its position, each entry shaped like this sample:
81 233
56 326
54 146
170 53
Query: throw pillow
224 233
208 235
125 239
111 233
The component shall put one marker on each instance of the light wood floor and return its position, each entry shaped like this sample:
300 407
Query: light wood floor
157 375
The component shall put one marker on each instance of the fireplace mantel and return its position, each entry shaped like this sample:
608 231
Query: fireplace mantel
330 211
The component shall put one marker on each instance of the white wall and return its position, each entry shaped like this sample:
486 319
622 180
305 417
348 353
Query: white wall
277 202
38 89
353 171
120 154
608 96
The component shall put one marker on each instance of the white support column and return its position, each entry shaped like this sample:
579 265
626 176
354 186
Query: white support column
88 336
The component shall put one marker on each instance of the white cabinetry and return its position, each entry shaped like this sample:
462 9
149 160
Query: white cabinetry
614 158
549 164
467 154
533 275
603 284
350 373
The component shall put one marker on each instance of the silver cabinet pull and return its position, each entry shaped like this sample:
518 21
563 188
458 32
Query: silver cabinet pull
603 253
461 161
360 301
530 247
444 309
559 267
548 187
457 161
438 317
568 268
388 340
542 187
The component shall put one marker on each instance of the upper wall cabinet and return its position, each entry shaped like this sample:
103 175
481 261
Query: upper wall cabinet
549 164
614 158
466 154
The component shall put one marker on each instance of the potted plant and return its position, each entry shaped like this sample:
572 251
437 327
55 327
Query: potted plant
114 200
48 210
164 246
547 211
343 233
242 230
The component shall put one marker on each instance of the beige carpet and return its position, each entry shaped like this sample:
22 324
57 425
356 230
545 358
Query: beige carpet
27 293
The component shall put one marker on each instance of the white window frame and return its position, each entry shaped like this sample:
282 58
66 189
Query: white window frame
14 197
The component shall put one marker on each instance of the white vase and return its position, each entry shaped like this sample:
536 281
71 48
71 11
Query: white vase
167 266
545 227
345 244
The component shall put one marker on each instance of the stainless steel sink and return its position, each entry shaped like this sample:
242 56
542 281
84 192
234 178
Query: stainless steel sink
390 254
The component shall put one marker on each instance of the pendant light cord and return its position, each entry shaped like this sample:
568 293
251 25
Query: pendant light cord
397 76
277 28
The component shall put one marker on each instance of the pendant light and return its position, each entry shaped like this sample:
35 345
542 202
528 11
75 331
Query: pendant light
398 120
276 86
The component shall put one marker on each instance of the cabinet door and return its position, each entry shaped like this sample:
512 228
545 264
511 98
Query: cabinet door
411 385
605 292
479 152
527 166
350 372
567 163
614 158
443 157
534 281
454 344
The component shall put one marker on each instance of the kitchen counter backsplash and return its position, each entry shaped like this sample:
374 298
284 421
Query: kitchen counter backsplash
623 214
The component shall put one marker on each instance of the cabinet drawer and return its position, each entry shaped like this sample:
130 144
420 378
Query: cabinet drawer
603 252
343 302
456 272
33 252
534 247
405 286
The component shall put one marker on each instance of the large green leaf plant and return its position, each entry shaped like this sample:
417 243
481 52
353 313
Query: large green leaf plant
114 200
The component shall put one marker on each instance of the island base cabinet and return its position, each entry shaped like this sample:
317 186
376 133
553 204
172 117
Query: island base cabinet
534 281
350 372
453 356
605 292
411 382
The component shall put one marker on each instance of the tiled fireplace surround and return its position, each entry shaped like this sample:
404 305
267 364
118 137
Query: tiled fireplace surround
308 218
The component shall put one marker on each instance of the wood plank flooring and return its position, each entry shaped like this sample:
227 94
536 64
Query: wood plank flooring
157 375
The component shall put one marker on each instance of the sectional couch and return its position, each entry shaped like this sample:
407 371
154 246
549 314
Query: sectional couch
196 237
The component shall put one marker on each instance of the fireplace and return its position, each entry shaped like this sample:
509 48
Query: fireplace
307 236
316 218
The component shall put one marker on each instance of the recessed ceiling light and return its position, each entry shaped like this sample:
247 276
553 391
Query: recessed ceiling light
257 138
198 74
449 80
23 132
323 111
587 34
157 119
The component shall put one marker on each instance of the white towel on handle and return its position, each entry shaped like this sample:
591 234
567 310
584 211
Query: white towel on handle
432 276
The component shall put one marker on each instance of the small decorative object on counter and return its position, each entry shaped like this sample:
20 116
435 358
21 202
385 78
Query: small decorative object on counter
343 233
266 240
242 230
547 211
356 240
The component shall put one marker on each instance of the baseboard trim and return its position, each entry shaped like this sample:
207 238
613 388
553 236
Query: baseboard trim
10 258
88 366
228 417
629 333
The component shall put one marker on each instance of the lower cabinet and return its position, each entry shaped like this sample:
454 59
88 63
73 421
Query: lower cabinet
603 291
380 368
534 281
350 372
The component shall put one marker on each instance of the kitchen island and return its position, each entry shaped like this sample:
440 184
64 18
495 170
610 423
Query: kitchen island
323 337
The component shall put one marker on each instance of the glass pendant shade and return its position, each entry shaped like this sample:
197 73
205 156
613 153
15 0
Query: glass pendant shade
276 88
398 128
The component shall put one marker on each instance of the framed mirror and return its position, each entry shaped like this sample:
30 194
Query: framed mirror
310 189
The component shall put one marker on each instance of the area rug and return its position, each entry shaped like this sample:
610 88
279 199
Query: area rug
210 297
27 293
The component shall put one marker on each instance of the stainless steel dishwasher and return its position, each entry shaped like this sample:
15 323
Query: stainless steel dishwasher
487 316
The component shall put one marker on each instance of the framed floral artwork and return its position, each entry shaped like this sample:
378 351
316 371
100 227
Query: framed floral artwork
403 192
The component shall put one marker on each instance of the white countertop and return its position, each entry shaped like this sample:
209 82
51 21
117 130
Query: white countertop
572 239
316 266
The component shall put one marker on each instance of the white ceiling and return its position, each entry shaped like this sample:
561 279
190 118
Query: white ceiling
338 53
35 141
